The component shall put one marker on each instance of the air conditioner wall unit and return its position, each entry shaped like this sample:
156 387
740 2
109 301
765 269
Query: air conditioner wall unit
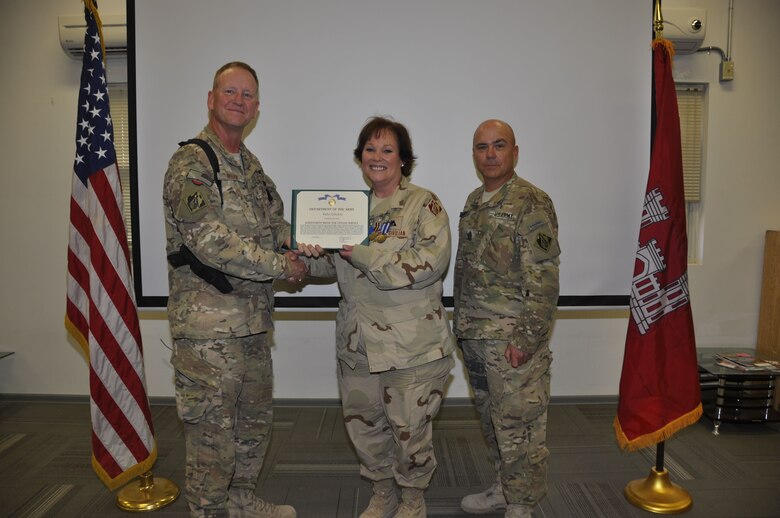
72 29
685 27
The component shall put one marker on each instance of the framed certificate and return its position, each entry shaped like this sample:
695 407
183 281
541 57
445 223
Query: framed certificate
330 219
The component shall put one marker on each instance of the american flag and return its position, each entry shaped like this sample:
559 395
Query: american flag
101 314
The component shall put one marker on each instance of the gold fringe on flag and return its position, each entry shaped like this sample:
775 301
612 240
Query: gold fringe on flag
76 335
651 439
662 42
135 471
127 475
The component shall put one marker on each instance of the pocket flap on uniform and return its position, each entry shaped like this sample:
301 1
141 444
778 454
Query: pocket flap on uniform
186 361
413 310
499 251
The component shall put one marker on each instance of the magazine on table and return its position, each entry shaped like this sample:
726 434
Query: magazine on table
746 362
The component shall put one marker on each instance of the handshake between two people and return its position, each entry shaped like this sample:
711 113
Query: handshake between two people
295 269
298 268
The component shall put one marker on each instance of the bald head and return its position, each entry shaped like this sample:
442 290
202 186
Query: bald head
495 153
497 125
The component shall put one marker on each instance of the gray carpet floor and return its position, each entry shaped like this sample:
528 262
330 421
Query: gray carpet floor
45 465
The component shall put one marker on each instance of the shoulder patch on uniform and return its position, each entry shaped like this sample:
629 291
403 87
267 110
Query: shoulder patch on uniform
537 230
544 241
434 207
194 200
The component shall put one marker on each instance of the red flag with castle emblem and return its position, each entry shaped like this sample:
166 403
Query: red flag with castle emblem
101 314
659 384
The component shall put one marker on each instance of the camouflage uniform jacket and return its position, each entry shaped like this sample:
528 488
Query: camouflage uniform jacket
506 269
238 235
391 293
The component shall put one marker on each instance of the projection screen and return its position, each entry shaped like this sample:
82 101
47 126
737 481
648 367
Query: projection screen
572 78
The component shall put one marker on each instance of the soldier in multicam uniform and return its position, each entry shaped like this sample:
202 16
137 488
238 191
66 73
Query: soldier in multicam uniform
393 340
506 291
231 224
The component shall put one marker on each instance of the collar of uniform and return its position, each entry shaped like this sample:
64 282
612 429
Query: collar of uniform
497 197
219 148
396 200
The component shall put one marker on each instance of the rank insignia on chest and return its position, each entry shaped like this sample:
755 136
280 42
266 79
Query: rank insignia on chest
195 201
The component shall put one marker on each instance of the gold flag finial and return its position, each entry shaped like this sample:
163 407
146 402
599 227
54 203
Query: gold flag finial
658 30
658 21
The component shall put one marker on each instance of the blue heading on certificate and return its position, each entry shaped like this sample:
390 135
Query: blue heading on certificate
330 219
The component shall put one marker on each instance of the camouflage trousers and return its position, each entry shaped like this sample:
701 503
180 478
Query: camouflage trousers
388 416
512 404
224 398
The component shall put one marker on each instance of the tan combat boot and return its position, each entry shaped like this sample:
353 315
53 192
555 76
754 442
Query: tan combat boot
245 504
518 511
384 501
488 501
412 504
199 512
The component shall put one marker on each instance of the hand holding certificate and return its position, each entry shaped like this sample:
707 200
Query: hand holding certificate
330 219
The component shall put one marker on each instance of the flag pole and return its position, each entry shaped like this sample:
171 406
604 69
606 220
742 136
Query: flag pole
657 493
101 314
147 495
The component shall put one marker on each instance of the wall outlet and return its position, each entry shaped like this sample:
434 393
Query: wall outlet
726 70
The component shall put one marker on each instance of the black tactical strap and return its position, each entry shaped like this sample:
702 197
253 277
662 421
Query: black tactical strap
212 156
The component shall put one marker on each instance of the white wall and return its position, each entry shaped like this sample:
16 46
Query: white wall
742 178
38 106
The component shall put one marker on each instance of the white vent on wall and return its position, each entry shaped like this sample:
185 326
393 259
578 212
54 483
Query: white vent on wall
685 27
72 30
